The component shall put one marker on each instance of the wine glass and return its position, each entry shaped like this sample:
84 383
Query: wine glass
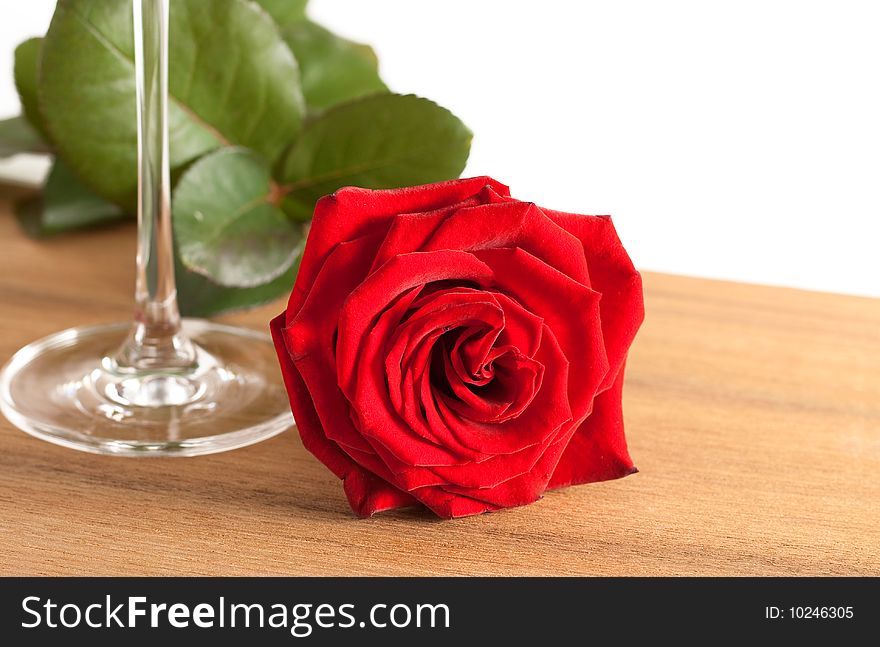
159 386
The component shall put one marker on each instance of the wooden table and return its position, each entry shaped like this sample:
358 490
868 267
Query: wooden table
752 412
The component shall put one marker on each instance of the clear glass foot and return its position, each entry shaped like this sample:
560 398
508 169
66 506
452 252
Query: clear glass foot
68 389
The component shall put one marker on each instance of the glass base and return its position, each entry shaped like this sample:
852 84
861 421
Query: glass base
66 390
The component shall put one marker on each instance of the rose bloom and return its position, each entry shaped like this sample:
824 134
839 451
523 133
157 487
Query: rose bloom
449 345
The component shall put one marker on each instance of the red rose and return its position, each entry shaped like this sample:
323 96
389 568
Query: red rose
449 345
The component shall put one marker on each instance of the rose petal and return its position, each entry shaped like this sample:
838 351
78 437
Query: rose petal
366 493
468 358
528 435
310 337
570 309
352 212
411 346
415 342
597 450
612 275
450 506
505 395
512 224
525 488
536 425
522 329
361 366
408 232
484 476
400 274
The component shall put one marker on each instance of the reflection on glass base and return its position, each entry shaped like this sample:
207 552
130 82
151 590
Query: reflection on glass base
64 389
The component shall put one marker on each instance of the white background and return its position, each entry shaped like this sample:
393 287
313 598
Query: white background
738 140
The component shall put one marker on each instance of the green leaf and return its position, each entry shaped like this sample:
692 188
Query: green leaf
333 69
285 12
18 136
230 65
232 79
27 58
65 204
381 141
226 228
200 297
88 98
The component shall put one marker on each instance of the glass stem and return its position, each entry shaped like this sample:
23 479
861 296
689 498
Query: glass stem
156 342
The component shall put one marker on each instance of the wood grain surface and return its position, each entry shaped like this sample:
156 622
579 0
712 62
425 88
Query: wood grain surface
753 414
